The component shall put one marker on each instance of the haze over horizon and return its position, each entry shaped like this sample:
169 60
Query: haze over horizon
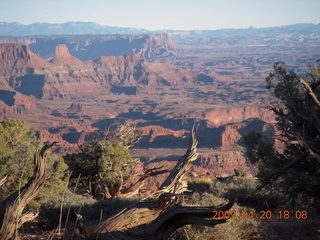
161 15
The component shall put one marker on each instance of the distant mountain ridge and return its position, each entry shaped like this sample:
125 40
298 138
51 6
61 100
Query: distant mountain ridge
71 28
90 28
250 36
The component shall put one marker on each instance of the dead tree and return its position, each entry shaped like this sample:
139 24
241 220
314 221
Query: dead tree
11 210
159 215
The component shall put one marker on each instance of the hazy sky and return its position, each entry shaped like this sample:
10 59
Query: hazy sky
164 14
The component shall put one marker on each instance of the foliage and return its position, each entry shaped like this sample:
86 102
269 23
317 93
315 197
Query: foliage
296 165
243 189
104 165
17 147
56 184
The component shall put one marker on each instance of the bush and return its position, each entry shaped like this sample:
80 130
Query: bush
71 202
17 146
103 166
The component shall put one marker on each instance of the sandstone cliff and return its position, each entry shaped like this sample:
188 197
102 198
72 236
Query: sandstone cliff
86 47
217 117
67 77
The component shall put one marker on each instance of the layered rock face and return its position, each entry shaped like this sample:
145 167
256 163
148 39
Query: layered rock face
66 77
158 45
152 132
13 58
14 61
230 136
86 47
218 117
18 105
222 163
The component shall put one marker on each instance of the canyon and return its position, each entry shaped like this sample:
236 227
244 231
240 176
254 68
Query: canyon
71 88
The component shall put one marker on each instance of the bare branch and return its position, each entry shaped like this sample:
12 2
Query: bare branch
310 91
3 180
306 146
134 188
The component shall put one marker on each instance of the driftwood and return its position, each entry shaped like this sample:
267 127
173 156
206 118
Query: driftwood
11 210
158 215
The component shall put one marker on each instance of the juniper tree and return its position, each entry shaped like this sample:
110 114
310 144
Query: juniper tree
295 167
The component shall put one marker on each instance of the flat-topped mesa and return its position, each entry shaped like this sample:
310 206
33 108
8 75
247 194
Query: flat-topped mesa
62 55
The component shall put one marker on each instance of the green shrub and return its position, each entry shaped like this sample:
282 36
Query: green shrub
104 165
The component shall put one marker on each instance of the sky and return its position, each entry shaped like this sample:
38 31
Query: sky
164 14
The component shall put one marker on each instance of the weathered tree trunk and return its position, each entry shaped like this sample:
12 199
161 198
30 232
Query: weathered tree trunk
158 215
11 210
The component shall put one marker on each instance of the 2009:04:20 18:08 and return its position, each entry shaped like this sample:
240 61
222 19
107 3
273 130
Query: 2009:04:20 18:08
282 214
